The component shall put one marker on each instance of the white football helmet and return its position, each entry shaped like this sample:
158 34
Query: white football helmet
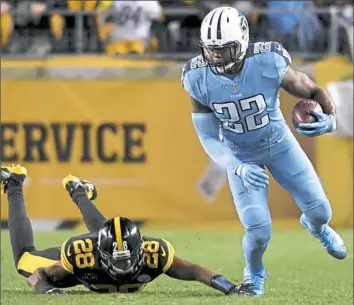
224 37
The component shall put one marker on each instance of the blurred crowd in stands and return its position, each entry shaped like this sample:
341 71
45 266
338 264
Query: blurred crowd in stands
38 28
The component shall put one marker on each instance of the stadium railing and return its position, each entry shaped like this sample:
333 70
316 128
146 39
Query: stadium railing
83 39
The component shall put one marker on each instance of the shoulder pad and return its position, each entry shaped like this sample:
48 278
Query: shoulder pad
194 63
278 48
259 48
268 47
197 62
66 254
158 253
82 246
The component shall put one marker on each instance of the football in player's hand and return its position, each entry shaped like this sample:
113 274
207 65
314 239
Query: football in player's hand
301 112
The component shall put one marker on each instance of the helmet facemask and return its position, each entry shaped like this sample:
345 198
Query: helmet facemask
122 262
223 59
121 253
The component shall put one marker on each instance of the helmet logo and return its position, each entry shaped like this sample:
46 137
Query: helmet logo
243 25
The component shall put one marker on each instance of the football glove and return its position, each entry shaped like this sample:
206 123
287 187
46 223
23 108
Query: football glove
252 176
325 123
55 291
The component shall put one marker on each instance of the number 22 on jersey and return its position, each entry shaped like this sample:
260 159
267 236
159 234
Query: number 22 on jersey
230 114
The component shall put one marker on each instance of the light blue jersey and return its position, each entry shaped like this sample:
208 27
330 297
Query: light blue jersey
249 134
247 104
254 129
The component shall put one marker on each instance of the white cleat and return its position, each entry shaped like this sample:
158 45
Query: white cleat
330 240
255 280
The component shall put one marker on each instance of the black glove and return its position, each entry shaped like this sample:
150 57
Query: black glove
242 290
55 291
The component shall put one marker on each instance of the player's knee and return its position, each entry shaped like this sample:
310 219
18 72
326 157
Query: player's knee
17 264
254 216
260 236
17 259
321 214
20 261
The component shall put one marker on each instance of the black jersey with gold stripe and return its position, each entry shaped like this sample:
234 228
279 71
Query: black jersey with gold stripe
80 256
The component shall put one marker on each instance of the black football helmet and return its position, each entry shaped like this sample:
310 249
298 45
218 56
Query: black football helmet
120 247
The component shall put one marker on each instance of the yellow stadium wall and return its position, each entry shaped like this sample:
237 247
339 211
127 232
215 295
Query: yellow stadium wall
134 139
334 155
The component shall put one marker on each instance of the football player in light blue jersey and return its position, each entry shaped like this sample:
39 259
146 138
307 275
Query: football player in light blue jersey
234 87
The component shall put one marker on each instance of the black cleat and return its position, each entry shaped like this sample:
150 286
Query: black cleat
72 183
242 290
15 173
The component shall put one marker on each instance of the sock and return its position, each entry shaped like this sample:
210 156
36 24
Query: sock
20 227
254 244
92 217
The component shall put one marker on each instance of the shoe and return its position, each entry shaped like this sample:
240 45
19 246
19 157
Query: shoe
255 281
72 183
242 290
246 276
330 240
15 173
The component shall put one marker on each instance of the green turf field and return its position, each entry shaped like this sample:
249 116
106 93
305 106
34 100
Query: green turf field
301 272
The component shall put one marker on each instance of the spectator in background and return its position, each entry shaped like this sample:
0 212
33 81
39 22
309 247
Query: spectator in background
255 19
38 31
184 30
290 27
346 24
32 29
64 29
125 26
246 7
7 24
189 27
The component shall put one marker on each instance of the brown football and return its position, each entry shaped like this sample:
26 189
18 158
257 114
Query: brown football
301 112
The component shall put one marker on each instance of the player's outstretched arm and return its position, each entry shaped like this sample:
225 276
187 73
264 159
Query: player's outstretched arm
41 278
301 86
187 271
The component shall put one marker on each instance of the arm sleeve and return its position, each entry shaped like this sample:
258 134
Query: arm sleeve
159 259
64 259
169 253
207 128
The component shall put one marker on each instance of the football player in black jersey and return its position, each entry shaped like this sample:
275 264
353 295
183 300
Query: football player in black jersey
113 257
